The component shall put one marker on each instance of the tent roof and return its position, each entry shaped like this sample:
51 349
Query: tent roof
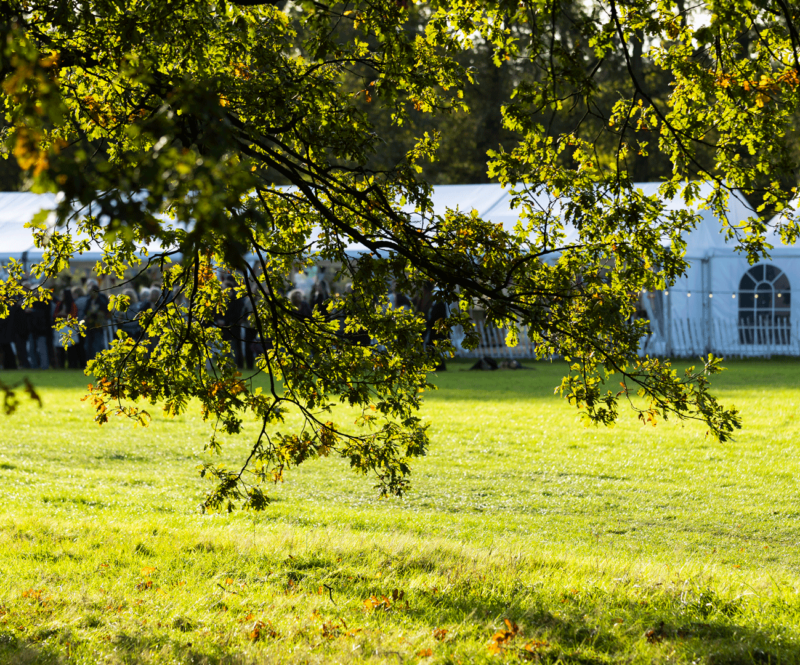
16 210
494 203
16 241
773 237
491 201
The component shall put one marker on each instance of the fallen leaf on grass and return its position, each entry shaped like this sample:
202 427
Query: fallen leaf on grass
655 635
424 653
440 634
148 570
331 630
34 594
375 603
145 584
261 630
501 638
534 645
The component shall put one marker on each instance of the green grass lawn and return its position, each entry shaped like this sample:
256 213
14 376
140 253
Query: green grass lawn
626 545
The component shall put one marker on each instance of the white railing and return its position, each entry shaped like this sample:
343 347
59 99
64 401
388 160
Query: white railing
689 338
493 343
730 338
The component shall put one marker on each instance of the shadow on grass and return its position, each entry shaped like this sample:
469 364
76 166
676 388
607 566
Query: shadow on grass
131 650
544 637
527 602
579 631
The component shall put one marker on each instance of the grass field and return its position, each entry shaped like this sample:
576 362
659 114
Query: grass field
526 538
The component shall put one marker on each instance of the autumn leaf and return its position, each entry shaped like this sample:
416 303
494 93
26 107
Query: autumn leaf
261 630
535 645
375 603
655 635
501 638
331 630
35 594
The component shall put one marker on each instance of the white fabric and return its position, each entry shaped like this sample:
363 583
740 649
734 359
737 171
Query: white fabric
707 250
493 203
16 210
16 241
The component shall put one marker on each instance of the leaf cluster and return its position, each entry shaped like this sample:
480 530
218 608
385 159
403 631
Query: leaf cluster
171 124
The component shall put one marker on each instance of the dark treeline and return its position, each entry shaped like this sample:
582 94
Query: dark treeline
467 137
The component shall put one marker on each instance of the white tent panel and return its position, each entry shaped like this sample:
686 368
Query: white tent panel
16 210
491 201
685 299
700 312
16 241
466 197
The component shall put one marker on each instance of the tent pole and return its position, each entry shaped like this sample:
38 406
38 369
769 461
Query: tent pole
668 350
704 294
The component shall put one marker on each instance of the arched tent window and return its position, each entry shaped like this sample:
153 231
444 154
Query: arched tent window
764 306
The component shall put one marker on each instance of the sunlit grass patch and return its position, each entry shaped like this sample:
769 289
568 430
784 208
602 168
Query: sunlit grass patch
526 538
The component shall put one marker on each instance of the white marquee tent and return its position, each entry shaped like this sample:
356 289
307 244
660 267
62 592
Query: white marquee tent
16 241
16 210
722 305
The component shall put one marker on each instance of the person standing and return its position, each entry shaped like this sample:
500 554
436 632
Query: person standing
79 296
39 331
231 323
401 301
250 333
299 302
95 316
434 311
7 335
128 321
19 330
65 308
320 295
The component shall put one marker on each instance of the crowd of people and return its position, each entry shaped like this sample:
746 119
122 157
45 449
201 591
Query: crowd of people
29 339
28 335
